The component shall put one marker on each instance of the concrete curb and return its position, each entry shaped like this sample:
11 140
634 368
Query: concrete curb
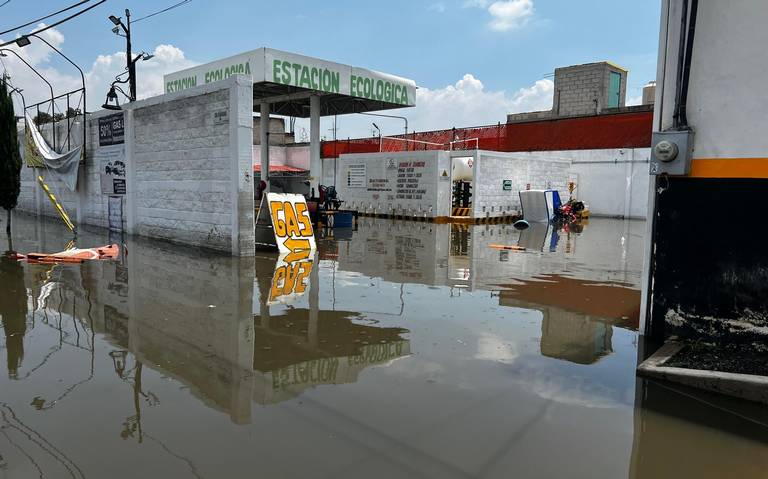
744 386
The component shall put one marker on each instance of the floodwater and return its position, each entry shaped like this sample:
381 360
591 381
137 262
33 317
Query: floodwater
398 350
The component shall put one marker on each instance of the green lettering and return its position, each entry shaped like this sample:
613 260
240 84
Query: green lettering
315 74
247 68
387 91
379 89
305 82
334 82
286 73
276 71
296 70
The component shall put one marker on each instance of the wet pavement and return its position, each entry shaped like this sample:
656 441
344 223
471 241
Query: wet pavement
398 350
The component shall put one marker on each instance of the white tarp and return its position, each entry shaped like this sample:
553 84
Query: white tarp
63 166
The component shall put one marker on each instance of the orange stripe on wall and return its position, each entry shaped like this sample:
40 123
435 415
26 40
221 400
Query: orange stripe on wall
729 168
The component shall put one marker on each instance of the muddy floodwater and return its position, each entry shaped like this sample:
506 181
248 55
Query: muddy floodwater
397 350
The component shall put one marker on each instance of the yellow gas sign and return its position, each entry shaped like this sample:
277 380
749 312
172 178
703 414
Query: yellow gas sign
291 224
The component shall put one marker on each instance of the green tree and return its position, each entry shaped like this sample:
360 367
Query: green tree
10 159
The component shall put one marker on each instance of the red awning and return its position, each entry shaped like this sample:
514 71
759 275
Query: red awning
279 169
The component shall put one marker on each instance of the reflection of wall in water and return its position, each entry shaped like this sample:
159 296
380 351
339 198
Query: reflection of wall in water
440 254
295 351
574 337
190 315
398 251
568 335
677 434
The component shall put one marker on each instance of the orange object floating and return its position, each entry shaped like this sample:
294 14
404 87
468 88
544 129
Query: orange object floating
506 247
76 255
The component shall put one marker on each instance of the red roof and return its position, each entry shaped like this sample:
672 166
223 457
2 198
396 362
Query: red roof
622 130
617 130
278 169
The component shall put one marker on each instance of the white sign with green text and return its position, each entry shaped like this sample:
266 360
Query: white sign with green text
275 66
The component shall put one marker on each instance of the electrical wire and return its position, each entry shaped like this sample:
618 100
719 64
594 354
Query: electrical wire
57 23
45 17
6 2
175 5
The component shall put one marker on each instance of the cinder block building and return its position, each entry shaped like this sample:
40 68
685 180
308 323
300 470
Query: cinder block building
587 89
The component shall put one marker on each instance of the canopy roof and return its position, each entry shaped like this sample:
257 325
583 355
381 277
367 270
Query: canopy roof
287 80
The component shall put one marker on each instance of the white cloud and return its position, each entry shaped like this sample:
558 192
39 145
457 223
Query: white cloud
510 14
465 103
634 100
506 14
98 75
469 103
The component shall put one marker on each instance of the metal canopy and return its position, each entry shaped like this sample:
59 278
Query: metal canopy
287 81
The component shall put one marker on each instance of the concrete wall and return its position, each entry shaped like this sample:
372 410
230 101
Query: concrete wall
188 176
407 183
714 291
583 89
489 199
612 182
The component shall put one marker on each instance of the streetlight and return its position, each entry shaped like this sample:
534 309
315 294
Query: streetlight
379 130
390 116
130 61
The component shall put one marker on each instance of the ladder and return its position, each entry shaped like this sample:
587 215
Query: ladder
57 206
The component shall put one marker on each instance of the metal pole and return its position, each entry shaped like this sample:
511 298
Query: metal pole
50 87
82 78
264 142
315 163
131 62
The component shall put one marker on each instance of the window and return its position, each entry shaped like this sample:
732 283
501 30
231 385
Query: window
356 176
614 90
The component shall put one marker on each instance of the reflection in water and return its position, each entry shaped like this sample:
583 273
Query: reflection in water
13 310
398 350
299 348
681 432
578 315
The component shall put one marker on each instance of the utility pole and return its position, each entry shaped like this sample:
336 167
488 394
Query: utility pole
130 62
129 57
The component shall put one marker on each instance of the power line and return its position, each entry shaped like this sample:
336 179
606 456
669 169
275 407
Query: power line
6 2
160 11
59 22
45 17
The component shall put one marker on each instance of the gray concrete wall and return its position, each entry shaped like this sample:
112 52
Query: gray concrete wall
382 193
489 199
612 182
189 176
583 89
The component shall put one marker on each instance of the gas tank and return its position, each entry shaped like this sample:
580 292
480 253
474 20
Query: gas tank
461 168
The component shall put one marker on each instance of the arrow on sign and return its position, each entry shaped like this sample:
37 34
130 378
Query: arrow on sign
296 255
295 244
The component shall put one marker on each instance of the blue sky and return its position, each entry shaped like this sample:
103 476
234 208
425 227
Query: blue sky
505 46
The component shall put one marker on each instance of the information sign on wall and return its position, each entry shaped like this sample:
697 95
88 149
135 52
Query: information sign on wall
110 155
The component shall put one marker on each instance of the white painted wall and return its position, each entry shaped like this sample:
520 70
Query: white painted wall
726 97
489 199
379 194
612 182
188 179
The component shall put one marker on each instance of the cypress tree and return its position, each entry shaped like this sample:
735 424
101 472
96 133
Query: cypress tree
10 159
